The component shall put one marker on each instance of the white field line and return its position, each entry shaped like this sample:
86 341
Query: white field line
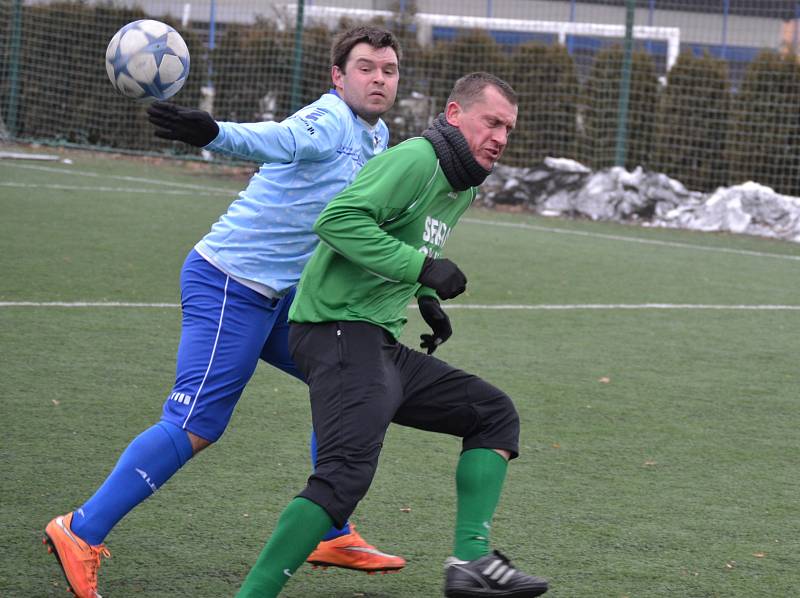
465 306
563 231
85 304
159 192
134 179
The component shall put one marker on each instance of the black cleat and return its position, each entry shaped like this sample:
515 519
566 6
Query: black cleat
491 575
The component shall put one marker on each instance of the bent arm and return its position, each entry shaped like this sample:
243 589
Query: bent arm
351 223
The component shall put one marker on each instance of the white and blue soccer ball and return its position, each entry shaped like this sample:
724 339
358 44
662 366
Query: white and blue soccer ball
147 60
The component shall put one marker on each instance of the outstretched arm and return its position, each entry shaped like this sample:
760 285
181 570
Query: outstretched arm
280 142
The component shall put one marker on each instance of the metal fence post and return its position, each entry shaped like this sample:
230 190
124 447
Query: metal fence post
571 38
625 86
297 67
14 67
725 12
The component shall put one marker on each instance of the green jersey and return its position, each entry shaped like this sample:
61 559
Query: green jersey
375 236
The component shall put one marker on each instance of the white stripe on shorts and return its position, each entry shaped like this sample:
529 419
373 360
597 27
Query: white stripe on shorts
213 353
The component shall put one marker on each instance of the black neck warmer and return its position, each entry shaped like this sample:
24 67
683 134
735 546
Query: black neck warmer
458 163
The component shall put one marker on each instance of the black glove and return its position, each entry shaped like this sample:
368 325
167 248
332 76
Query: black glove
194 127
443 276
434 316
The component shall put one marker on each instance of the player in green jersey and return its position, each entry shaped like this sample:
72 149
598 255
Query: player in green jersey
381 244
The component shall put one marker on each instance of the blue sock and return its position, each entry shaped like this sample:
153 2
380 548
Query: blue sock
334 532
148 462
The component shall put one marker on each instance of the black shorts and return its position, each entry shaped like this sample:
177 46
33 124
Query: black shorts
360 380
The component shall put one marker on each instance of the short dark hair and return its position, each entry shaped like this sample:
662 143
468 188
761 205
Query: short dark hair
374 36
470 87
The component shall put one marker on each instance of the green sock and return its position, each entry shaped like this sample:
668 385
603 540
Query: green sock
300 528
479 481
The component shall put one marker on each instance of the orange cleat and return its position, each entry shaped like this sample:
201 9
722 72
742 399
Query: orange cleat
79 561
351 551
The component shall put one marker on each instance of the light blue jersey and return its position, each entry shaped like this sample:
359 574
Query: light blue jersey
265 238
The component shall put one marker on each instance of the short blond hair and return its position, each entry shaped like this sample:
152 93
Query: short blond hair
470 87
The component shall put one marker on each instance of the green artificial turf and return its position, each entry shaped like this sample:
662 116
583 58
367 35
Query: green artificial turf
659 443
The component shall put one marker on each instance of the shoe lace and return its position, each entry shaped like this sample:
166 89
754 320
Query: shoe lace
93 561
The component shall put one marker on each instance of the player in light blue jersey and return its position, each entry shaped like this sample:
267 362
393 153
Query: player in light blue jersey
237 284
266 237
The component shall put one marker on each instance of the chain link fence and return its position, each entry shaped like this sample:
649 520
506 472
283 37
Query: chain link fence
705 91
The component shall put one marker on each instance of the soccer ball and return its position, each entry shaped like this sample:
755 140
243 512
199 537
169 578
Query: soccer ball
147 60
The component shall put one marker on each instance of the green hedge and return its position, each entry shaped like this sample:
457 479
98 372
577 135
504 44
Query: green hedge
601 113
546 81
764 140
692 123
446 61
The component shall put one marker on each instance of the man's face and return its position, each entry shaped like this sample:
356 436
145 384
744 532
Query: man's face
485 124
368 83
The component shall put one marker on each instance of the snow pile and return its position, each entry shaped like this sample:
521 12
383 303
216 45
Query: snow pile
561 187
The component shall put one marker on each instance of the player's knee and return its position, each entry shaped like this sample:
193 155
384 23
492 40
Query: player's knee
198 443
492 404
503 416
511 417
496 421
181 440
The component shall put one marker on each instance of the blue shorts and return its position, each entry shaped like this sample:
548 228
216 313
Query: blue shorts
226 328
